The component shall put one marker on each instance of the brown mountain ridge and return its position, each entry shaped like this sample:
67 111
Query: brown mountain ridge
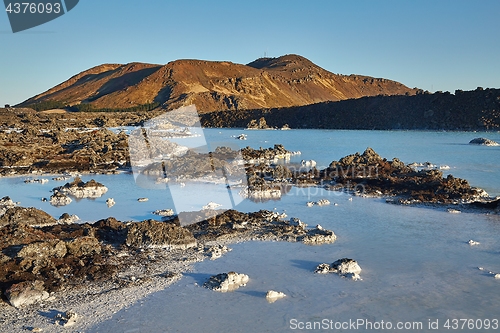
286 81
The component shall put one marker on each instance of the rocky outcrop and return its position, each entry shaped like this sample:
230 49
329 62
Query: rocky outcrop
59 199
69 255
164 212
152 233
369 174
80 189
260 124
6 203
322 202
66 320
344 267
262 225
26 293
261 193
193 166
110 231
492 204
59 255
36 180
48 146
110 202
318 236
44 249
65 218
29 216
225 282
483 142
272 296
216 251
83 246
278 152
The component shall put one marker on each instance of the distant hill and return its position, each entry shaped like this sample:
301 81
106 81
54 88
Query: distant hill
477 110
287 81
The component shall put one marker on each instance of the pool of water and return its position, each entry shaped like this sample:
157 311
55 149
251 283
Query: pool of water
417 264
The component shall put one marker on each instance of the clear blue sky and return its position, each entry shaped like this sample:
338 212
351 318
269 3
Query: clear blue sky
433 45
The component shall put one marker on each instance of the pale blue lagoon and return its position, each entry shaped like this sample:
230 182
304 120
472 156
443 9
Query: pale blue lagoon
417 263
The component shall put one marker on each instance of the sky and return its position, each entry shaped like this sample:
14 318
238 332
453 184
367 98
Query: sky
433 45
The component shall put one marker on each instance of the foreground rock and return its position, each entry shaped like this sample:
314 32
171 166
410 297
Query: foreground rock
26 293
61 255
29 216
69 256
344 267
216 251
66 320
152 233
226 282
80 189
483 142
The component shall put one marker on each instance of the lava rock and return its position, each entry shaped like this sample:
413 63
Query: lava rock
152 233
26 293
29 216
272 296
83 246
225 282
483 142
59 199
80 189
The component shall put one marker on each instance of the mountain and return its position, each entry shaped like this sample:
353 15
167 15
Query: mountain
286 81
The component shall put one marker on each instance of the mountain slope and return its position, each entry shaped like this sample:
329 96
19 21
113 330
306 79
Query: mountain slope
286 81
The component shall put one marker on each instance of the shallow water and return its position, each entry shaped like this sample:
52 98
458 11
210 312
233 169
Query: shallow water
417 265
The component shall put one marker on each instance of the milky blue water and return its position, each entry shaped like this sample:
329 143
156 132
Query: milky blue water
417 264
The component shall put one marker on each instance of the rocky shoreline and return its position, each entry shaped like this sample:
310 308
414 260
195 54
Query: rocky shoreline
370 175
46 262
35 142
